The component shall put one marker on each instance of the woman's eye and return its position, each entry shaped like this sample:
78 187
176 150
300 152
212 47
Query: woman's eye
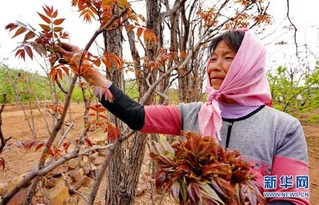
229 58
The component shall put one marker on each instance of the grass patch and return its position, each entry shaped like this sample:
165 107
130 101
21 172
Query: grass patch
313 118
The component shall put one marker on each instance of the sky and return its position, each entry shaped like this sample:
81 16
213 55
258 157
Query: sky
304 16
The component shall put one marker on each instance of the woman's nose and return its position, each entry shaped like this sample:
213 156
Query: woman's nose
214 66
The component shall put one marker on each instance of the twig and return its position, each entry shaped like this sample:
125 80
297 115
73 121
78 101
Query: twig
72 189
173 10
18 100
51 139
61 87
40 171
295 28
166 98
65 134
3 140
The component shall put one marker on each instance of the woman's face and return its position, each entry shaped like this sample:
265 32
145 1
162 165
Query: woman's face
219 64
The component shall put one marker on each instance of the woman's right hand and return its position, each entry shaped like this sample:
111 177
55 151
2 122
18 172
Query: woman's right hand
70 54
73 55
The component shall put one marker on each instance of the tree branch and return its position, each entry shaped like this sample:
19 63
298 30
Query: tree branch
295 28
61 87
172 10
46 169
3 140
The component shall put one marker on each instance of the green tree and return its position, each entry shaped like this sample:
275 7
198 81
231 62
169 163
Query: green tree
293 92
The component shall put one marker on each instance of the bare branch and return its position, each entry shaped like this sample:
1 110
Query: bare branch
156 91
65 134
73 189
61 87
173 10
3 140
36 172
295 28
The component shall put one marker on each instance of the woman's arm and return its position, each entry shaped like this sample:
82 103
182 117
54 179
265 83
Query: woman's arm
290 166
148 119
124 108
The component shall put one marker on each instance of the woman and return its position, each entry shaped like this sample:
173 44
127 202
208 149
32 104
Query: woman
236 112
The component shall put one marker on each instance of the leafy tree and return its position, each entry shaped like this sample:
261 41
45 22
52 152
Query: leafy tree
293 92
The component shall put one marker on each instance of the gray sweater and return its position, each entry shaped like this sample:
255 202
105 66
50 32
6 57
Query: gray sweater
273 141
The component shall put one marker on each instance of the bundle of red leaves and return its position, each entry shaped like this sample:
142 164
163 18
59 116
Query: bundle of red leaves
197 170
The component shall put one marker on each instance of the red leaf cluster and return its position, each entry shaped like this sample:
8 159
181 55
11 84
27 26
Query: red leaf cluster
101 10
197 170
100 121
55 108
40 41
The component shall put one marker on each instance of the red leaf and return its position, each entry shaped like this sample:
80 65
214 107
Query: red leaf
48 11
89 142
29 51
19 31
66 146
11 26
93 108
66 70
160 178
29 144
44 18
39 146
59 71
101 109
20 53
45 27
29 35
2 163
113 134
55 14
97 62
194 193
129 28
139 32
58 21
57 29
103 116
149 36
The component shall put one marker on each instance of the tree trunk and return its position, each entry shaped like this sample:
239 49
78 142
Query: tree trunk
124 169
113 44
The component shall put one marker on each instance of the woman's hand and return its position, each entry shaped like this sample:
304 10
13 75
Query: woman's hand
73 56
70 55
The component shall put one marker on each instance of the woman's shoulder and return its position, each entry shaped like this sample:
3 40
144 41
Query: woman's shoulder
190 107
279 115
189 115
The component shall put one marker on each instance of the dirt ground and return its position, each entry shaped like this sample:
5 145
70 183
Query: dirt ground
18 161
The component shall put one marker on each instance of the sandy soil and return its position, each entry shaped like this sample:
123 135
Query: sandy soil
18 161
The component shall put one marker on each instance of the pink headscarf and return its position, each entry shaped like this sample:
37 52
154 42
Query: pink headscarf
245 83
